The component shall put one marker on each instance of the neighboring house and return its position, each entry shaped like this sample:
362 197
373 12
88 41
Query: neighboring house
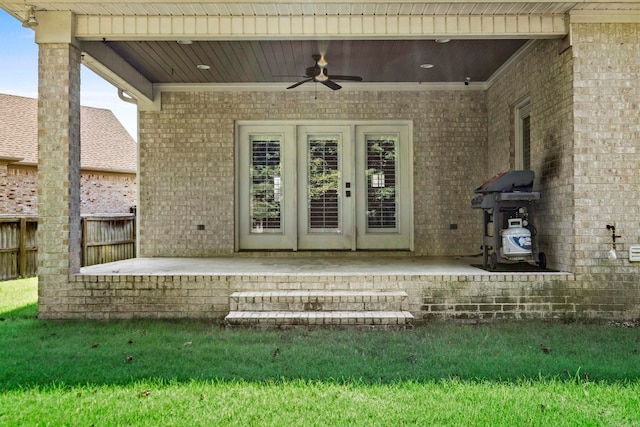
108 158
452 94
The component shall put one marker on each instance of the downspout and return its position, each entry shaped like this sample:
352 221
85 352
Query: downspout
126 97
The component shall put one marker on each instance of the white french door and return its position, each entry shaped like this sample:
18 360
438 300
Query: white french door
265 193
325 200
385 187
323 186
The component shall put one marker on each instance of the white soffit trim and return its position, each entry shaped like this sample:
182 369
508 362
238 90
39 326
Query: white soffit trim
93 27
348 87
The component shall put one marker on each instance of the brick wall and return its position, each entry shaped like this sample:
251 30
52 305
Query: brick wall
107 192
155 297
482 297
607 154
479 297
430 297
544 75
3 187
607 143
187 157
21 190
100 192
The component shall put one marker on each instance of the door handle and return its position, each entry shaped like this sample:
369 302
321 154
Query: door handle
347 193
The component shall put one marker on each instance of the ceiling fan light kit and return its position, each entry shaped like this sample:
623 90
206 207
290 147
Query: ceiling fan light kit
322 62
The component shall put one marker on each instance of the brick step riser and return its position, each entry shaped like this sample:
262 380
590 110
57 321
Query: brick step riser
338 321
308 326
327 309
397 305
324 321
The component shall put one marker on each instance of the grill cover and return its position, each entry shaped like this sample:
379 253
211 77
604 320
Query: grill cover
507 182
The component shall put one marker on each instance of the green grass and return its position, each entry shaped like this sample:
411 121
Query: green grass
18 298
195 373
305 403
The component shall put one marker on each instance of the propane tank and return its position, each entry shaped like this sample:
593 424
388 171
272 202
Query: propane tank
516 240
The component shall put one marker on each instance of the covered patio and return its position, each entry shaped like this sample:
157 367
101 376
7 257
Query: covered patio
247 144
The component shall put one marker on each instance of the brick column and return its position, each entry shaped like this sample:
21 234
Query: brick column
58 173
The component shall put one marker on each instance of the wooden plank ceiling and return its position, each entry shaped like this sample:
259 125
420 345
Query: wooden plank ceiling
286 60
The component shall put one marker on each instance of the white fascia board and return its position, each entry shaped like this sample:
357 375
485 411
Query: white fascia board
92 27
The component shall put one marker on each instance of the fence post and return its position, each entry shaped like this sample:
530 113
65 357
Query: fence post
22 269
83 244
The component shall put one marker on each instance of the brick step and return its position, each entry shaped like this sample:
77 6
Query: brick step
337 319
318 301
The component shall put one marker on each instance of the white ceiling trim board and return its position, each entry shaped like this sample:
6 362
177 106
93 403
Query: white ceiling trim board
312 27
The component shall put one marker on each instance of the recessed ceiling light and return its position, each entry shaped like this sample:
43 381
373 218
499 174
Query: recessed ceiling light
426 66
443 40
185 42
203 66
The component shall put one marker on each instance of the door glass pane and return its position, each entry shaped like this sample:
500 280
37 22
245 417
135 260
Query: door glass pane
323 184
266 185
381 181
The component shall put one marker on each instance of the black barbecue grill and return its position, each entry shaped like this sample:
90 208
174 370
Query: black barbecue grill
507 202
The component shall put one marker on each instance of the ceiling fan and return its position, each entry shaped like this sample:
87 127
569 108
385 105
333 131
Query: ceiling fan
319 74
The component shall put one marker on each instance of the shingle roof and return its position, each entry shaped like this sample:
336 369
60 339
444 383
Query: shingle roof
105 144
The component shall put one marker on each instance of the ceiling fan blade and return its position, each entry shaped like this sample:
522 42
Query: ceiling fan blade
299 83
331 84
352 78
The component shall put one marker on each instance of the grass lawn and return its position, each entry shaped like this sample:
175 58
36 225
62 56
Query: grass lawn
190 373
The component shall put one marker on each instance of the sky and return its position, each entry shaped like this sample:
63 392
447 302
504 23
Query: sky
19 74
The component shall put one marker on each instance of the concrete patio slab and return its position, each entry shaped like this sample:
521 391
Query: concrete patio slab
299 265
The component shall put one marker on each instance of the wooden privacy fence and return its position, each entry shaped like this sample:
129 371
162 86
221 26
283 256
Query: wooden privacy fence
105 238
18 247
108 238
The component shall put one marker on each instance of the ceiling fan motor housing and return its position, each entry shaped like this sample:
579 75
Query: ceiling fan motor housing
313 71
